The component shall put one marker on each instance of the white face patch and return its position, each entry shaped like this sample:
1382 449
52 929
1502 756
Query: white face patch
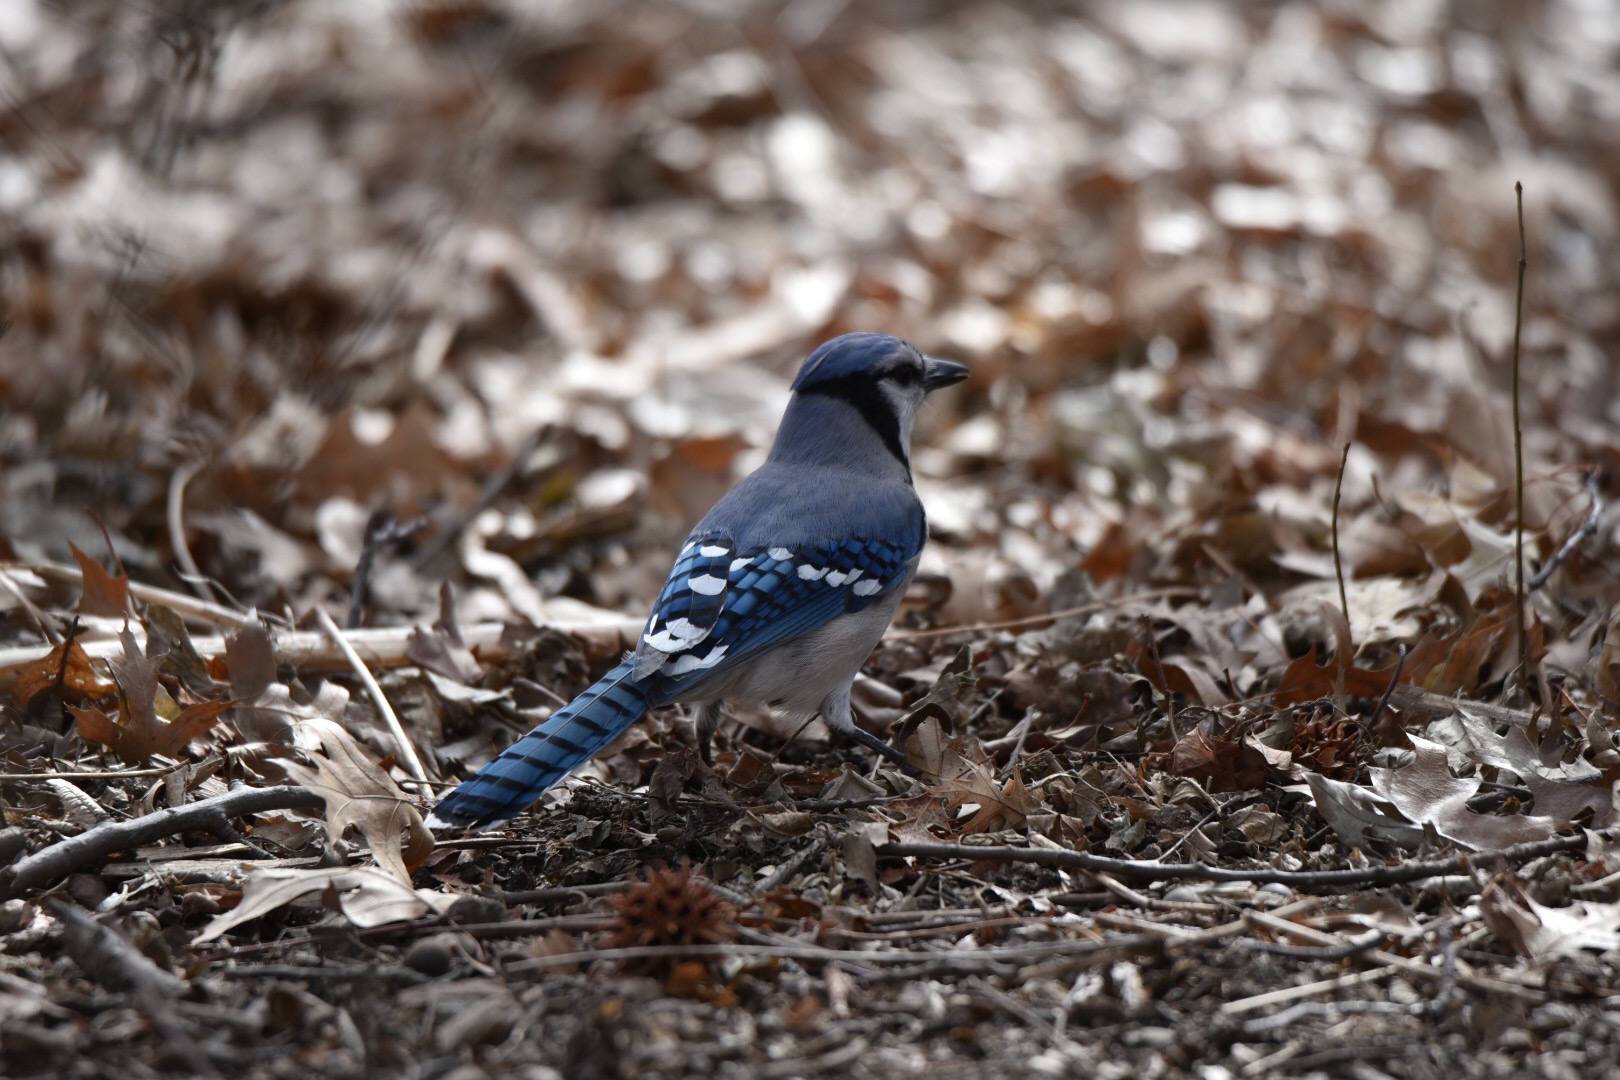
707 584
780 554
812 573
867 587
713 551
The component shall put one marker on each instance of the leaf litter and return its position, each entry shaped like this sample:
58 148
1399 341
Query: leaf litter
449 319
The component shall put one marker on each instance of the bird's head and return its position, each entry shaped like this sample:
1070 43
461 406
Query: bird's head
883 378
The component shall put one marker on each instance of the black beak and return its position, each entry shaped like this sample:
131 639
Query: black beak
941 373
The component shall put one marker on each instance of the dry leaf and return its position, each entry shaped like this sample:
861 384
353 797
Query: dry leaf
360 794
66 669
1547 933
104 595
1427 793
139 733
365 896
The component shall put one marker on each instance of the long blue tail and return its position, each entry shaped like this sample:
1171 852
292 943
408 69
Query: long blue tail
567 739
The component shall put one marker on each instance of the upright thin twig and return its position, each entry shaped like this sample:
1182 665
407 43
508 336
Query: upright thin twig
1338 567
1518 451
407 752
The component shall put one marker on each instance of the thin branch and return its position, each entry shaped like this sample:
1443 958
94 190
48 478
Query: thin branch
1576 538
1518 452
407 752
1145 870
92 846
191 573
188 606
1030 621
312 650
1338 566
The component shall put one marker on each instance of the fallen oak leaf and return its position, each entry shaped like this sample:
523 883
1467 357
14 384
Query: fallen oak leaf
66 669
444 651
140 733
1547 933
102 595
360 794
365 896
1426 793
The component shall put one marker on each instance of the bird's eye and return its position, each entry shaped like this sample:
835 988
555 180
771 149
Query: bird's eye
905 376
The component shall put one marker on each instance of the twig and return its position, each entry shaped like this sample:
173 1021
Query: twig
1576 538
1389 691
191 573
1164 676
1518 452
188 606
1338 567
90 847
382 530
39 617
94 774
1401 963
491 491
1308 990
960 963
1145 870
407 752
313 650
1040 620
112 960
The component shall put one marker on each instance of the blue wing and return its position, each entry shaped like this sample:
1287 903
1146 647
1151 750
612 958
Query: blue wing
722 605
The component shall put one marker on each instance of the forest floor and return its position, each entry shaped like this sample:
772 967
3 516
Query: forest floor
364 366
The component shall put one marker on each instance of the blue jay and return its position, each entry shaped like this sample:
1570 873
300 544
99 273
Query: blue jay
781 591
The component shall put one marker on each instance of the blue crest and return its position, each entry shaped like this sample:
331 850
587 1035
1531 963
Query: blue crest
851 354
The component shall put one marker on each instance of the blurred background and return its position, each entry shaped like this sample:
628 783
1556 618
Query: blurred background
539 273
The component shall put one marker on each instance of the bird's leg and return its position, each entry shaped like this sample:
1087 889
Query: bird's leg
872 742
708 719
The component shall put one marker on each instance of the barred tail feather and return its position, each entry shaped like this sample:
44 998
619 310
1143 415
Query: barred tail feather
565 740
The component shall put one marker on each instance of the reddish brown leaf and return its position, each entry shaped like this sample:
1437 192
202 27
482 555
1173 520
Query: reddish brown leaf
65 669
103 594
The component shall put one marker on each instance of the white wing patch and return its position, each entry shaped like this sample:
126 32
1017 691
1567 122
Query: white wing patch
867 587
812 573
677 635
713 551
780 554
690 662
738 564
706 584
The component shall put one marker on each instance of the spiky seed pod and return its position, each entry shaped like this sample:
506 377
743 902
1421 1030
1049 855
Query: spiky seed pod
669 907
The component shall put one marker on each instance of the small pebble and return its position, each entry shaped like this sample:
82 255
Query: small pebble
432 956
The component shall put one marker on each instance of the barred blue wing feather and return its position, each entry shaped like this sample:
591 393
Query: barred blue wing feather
769 596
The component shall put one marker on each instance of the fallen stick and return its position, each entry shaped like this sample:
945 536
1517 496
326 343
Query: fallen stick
312 650
90 847
1146 870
